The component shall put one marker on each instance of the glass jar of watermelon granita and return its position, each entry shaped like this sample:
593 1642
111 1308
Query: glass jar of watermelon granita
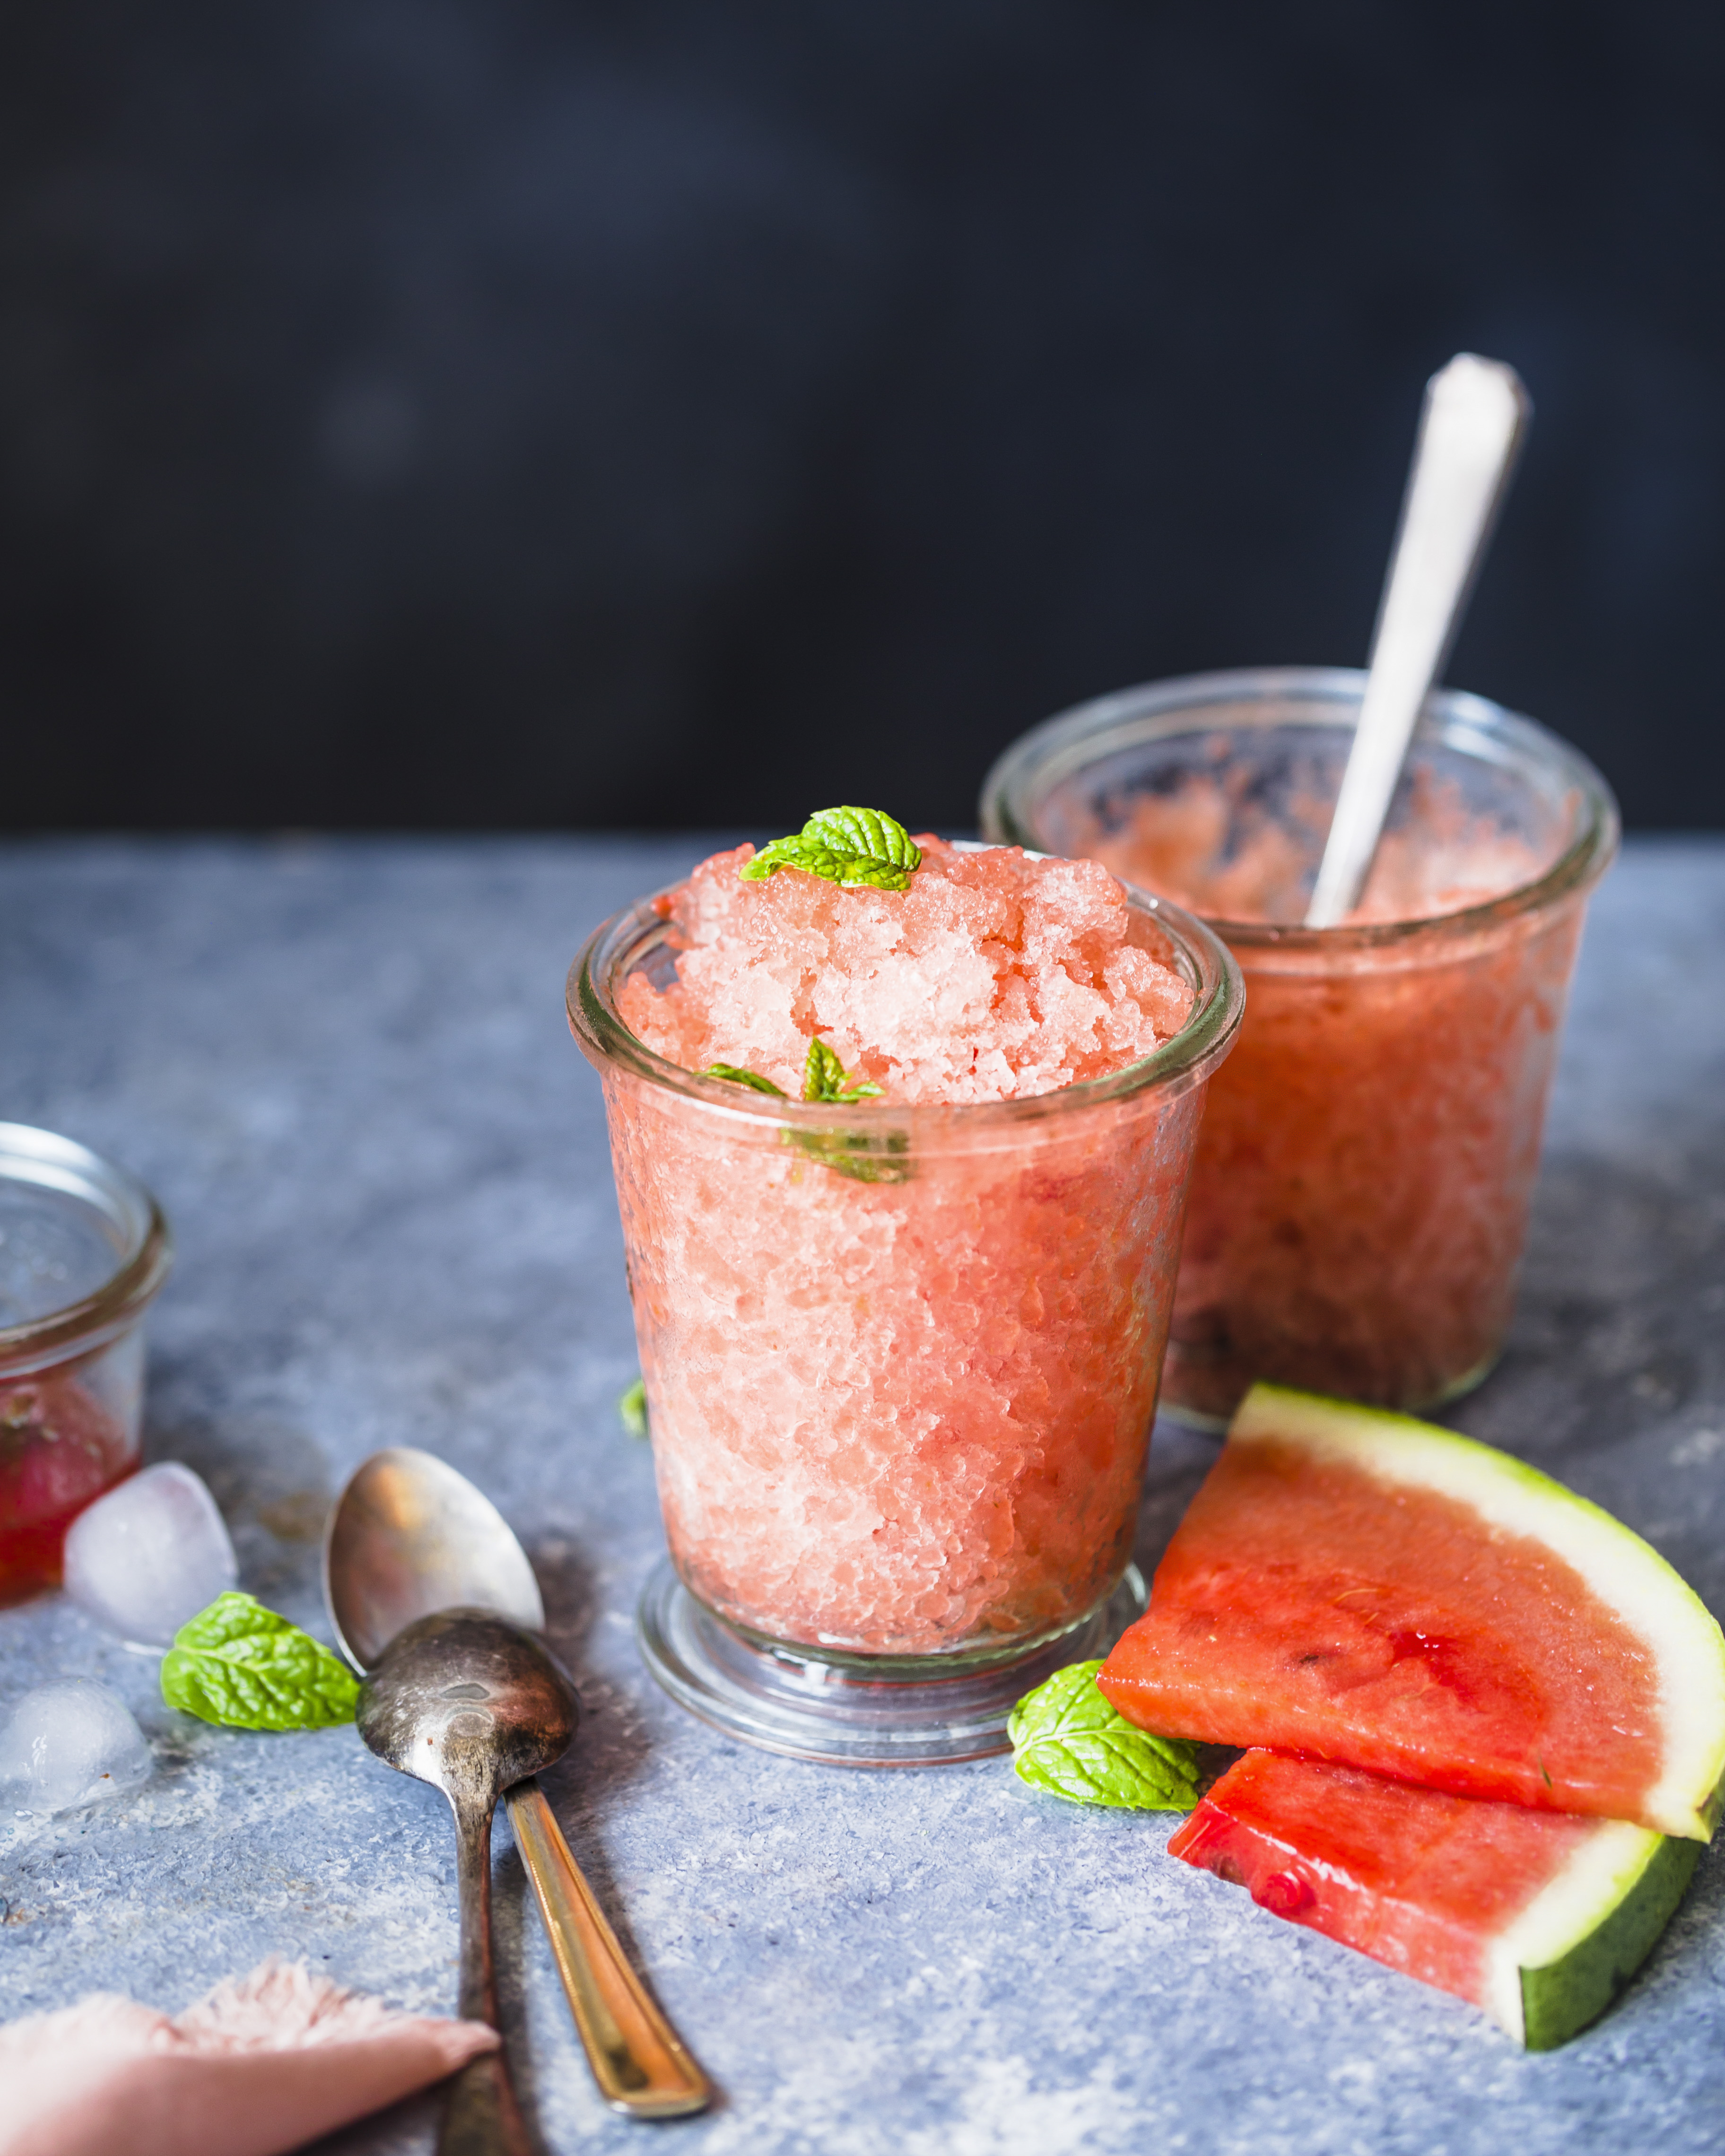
901 1167
83 1248
1360 1198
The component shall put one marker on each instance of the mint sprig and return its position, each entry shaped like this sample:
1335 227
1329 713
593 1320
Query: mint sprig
632 1408
734 1074
824 1078
847 846
240 1665
1068 1738
863 1156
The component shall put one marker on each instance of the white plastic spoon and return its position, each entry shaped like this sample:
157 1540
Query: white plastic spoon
1476 414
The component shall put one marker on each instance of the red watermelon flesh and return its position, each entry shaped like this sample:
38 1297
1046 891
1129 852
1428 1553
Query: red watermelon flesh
1536 1917
1351 1586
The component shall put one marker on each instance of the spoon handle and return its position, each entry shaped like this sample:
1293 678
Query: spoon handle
480 2115
1474 416
640 2063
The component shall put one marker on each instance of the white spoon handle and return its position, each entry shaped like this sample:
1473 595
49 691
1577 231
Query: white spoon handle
1475 413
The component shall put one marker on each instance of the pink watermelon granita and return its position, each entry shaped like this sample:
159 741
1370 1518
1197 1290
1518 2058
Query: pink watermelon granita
901 1354
994 975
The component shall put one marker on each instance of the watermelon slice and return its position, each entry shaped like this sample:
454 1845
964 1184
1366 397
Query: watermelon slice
1356 1586
1537 1918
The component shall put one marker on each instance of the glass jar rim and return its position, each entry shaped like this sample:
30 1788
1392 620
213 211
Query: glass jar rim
49 1161
1156 710
1185 1061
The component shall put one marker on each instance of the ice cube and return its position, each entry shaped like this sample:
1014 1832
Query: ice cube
149 1555
71 1743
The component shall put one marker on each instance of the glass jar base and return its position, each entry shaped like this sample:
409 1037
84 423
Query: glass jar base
844 1717
1191 1416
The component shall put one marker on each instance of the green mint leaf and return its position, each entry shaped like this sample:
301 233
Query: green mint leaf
823 1078
633 1409
734 1076
846 846
1068 1738
816 859
240 1665
864 1156
867 833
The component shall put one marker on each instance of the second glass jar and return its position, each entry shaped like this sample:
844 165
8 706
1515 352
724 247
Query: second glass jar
1359 1201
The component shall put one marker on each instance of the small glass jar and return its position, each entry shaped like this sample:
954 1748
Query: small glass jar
83 1250
900 1365
1359 1202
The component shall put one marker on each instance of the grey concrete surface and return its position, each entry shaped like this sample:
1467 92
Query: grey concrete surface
344 1068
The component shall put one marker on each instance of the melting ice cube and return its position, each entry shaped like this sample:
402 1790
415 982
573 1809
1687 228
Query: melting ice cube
149 1555
70 1743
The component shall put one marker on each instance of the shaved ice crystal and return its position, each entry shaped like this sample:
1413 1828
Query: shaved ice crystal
69 1744
993 976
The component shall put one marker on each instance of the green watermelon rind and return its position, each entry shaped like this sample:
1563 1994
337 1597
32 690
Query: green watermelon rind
1562 1961
1626 1574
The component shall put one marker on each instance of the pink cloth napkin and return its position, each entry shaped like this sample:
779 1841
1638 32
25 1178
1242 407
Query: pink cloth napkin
266 2063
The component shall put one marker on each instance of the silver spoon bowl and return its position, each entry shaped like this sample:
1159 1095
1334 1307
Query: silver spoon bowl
472 1704
408 1537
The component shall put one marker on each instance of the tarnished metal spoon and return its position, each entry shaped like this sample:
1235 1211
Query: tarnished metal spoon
471 1704
410 1536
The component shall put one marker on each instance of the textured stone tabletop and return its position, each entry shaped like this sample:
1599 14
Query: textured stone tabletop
344 1068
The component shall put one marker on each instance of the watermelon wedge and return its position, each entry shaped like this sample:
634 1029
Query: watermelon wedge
1356 1586
1537 1918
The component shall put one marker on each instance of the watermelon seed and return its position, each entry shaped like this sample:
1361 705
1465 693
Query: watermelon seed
1283 1894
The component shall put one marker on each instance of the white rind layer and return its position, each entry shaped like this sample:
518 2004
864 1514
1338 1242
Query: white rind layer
1627 1574
1568 1908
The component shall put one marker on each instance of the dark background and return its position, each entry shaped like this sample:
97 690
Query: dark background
482 413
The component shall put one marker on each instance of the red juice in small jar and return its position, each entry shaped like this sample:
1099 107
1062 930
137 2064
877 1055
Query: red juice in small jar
59 1450
84 1249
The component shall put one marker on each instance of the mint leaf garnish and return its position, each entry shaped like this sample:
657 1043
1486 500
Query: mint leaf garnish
240 1664
633 1409
733 1075
864 1156
824 1078
1067 1738
846 846
867 834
